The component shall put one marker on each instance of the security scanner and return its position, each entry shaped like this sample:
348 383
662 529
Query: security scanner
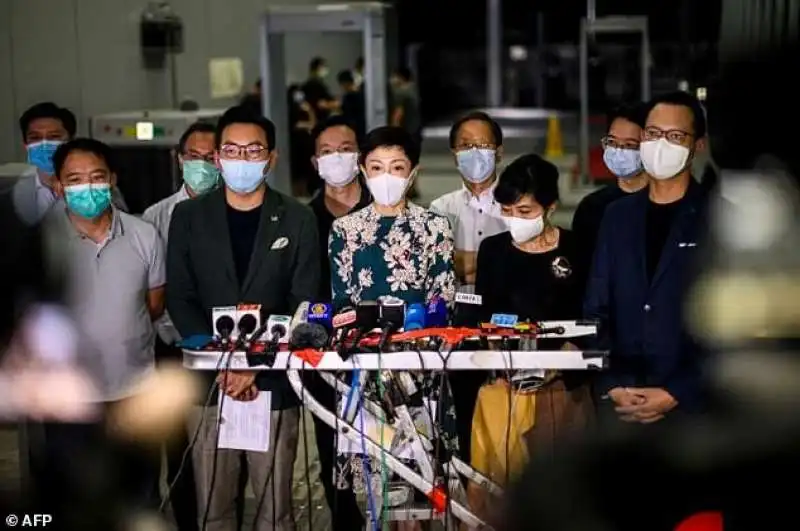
145 144
370 372
591 26
376 24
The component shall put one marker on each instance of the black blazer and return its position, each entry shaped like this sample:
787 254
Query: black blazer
284 270
642 322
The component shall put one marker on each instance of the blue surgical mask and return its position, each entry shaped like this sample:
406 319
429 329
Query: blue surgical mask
199 175
40 154
88 200
243 176
476 165
624 163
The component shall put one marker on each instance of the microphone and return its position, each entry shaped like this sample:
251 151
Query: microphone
342 324
436 313
415 317
391 316
467 312
309 335
224 319
367 314
504 320
321 313
278 327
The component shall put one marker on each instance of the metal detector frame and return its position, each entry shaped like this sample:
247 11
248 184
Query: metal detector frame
372 19
612 24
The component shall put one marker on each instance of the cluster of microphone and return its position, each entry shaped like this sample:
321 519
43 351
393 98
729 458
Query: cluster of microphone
316 326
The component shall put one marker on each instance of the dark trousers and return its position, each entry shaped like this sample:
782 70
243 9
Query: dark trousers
183 496
345 512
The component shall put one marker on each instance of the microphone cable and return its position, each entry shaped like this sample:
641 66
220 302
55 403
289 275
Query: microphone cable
190 447
305 451
223 389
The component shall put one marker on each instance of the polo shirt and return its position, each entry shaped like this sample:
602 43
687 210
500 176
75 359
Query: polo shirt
472 219
159 215
107 293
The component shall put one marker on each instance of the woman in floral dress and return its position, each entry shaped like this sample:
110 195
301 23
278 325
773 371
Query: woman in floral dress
392 247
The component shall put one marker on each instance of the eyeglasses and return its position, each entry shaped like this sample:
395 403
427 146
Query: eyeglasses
208 157
249 152
474 145
613 142
330 151
674 136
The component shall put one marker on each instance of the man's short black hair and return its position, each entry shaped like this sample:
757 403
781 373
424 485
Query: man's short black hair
404 73
197 127
345 77
478 116
528 175
683 99
48 110
241 114
390 136
316 63
336 120
85 145
633 112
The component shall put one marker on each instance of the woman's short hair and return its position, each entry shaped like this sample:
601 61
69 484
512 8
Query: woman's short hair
528 175
390 136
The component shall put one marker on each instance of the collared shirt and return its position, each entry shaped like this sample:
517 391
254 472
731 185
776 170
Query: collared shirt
160 214
107 291
324 223
472 218
32 198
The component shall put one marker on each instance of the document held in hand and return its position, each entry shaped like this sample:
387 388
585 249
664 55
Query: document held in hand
245 425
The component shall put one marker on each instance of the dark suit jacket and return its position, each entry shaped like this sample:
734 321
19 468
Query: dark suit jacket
201 273
642 322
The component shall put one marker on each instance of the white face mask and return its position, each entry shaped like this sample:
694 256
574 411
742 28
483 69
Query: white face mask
522 229
387 189
338 169
662 159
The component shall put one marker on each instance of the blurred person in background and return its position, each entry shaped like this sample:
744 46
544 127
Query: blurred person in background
476 142
353 105
622 158
336 160
302 120
44 127
115 288
640 277
242 243
405 111
531 270
252 100
200 175
316 90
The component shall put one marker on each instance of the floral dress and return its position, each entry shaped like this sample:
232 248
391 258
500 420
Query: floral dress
410 257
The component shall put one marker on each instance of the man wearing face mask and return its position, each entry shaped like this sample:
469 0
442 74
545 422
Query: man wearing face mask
640 277
316 90
622 158
336 160
116 277
200 175
44 127
243 243
476 141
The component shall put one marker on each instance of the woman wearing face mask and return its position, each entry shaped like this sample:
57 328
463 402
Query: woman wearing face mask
529 271
392 248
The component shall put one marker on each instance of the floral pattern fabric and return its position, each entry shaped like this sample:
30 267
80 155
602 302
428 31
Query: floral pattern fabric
409 257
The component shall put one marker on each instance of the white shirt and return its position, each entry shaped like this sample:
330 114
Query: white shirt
471 218
160 214
32 198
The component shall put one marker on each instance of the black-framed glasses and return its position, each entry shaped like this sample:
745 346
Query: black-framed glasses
673 136
248 152
208 157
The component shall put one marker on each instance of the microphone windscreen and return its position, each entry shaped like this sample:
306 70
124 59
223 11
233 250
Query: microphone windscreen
309 335
367 314
247 324
224 326
415 317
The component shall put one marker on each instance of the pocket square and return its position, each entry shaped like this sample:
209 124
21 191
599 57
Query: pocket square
280 243
687 244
